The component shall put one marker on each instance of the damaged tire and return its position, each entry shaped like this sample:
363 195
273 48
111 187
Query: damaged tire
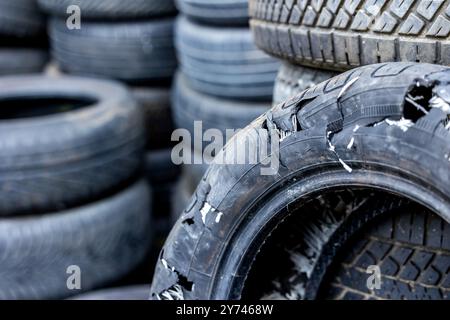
224 62
105 240
340 35
361 145
292 80
65 141
130 51
111 9
222 12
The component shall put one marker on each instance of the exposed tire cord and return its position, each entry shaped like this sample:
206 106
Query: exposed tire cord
292 80
344 34
214 113
22 61
137 292
105 239
208 251
155 103
57 153
218 12
224 62
21 18
111 9
130 51
412 250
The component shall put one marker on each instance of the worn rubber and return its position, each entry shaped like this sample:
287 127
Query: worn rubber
129 51
111 9
65 158
224 62
105 239
210 250
132 293
340 35
155 103
21 18
218 12
292 80
22 61
214 113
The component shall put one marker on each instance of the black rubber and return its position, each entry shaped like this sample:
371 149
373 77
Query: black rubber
21 18
105 239
214 113
344 34
111 9
22 61
133 293
411 248
224 61
65 141
292 80
129 51
218 12
364 129
158 115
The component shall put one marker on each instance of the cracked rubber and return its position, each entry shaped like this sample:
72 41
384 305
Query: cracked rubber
130 51
22 60
212 246
218 12
106 239
64 158
292 80
111 9
340 35
224 62
21 18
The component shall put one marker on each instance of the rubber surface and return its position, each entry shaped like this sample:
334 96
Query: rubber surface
218 12
129 51
156 106
224 61
126 293
292 80
105 239
22 61
71 156
359 129
214 113
21 18
344 34
111 9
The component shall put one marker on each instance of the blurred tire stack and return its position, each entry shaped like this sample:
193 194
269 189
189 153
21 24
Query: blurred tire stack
224 81
130 41
22 37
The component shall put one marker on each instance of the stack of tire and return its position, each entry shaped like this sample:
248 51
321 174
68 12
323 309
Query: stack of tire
23 45
130 41
224 81
359 208
74 213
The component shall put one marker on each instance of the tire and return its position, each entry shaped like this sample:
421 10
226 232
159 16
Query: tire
292 80
210 252
223 12
214 113
21 18
22 61
106 240
340 35
130 51
65 141
155 103
224 62
112 9
138 292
